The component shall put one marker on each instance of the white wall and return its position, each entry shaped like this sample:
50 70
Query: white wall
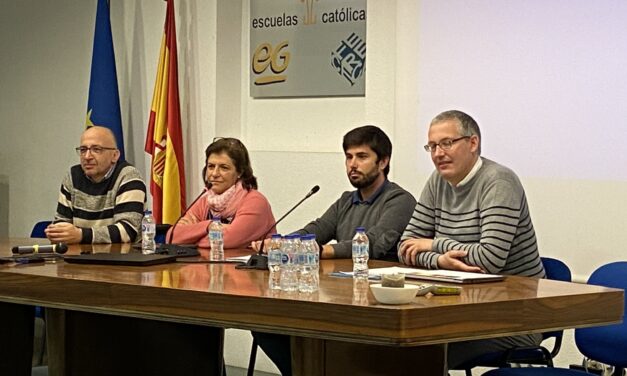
294 143
43 100
546 84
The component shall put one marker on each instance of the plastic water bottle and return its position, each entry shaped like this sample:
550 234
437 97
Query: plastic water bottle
315 256
149 228
296 261
274 262
360 253
307 255
289 271
216 240
304 270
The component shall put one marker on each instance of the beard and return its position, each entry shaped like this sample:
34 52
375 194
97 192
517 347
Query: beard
365 180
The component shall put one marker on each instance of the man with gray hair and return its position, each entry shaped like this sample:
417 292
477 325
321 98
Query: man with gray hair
101 199
472 216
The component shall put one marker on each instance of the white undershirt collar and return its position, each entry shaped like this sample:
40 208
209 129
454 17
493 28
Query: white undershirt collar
471 174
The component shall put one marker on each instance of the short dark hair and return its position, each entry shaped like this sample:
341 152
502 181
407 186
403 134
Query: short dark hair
466 125
236 150
374 138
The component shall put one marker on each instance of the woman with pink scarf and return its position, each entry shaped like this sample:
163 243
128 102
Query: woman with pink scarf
231 193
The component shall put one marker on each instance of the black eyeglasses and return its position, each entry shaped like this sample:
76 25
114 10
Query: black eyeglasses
82 150
445 144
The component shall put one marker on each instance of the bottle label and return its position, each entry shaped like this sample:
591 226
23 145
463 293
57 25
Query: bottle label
274 257
360 249
215 235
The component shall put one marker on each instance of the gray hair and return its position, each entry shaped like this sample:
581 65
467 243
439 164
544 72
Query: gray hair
466 125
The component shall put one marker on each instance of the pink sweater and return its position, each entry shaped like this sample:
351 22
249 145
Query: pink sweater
252 218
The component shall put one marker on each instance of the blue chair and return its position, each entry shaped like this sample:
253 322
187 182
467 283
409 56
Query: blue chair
536 355
39 346
162 230
38 229
38 232
606 344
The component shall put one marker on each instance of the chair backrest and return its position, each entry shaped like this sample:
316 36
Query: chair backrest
38 229
606 344
556 269
162 230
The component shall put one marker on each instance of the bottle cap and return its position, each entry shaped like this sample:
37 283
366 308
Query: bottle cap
360 229
148 212
276 236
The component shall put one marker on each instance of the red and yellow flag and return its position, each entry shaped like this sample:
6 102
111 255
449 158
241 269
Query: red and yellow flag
164 140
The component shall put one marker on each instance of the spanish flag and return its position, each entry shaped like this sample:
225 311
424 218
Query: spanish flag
164 140
103 105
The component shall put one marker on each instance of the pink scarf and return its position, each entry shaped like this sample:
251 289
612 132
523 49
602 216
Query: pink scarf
226 204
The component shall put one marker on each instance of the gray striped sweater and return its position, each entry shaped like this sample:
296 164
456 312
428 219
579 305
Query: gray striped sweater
488 217
109 211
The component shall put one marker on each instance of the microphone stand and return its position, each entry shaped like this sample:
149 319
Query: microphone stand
259 261
179 250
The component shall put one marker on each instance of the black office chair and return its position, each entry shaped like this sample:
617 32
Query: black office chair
536 355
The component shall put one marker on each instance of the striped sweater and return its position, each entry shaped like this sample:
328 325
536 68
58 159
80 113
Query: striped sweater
488 217
110 211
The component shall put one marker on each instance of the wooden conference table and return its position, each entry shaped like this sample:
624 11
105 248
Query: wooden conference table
339 330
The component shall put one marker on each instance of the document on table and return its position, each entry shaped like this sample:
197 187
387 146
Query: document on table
440 275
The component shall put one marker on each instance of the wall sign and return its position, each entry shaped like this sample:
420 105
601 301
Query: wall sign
302 48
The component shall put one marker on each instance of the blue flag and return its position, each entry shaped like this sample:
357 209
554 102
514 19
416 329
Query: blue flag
103 106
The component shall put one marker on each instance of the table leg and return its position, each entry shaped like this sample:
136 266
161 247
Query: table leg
330 358
94 344
17 330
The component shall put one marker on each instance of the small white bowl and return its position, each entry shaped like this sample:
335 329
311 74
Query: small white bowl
394 295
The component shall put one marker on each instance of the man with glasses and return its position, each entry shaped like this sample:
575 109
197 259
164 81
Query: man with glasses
472 216
101 199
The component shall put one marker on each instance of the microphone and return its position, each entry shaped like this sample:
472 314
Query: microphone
259 261
60 248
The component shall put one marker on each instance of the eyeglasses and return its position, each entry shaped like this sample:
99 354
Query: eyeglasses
445 144
82 150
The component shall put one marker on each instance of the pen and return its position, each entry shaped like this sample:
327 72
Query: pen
350 275
29 260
